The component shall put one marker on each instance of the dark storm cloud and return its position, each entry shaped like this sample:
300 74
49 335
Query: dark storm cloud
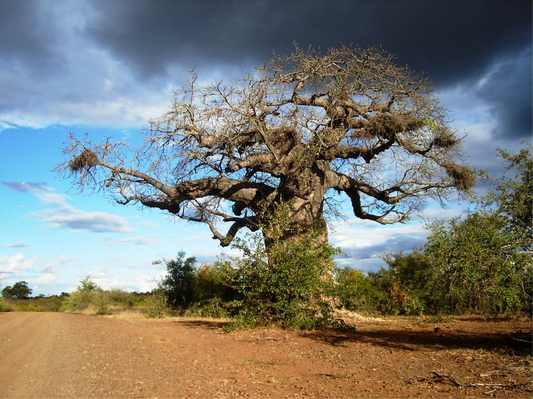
508 91
92 46
449 40
395 243
26 38
453 42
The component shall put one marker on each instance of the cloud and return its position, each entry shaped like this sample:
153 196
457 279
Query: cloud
507 89
63 215
18 244
17 263
115 63
44 279
54 265
147 282
6 126
82 221
25 187
446 39
148 223
139 240
363 241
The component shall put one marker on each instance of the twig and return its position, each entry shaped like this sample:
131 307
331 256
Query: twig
520 340
436 377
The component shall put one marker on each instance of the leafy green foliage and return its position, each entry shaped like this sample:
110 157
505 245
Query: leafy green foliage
512 196
179 282
204 287
402 288
19 290
42 303
286 283
90 297
355 290
85 296
157 304
211 308
478 266
466 266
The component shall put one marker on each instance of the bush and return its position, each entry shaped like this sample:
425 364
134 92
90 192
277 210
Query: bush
5 306
479 266
289 282
179 283
211 308
89 296
157 304
355 291
186 285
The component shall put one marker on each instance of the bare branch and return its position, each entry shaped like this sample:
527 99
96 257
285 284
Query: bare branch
347 119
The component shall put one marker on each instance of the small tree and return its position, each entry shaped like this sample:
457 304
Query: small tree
512 196
87 294
19 290
179 283
478 265
215 282
409 281
355 290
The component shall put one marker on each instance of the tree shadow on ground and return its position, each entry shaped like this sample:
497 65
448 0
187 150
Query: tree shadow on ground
204 323
437 339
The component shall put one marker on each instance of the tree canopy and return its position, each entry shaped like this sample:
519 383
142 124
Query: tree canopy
304 129
512 195
19 290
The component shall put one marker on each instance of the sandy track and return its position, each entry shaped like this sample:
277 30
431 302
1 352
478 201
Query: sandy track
39 356
58 355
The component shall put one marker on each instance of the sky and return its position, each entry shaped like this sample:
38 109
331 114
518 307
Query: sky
106 67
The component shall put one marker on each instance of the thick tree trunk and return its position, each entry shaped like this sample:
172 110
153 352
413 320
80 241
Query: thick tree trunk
296 233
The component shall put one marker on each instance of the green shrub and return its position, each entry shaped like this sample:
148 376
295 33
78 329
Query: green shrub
87 295
186 285
120 298
211 308
79 300
355 291
479 267
157 304
288 283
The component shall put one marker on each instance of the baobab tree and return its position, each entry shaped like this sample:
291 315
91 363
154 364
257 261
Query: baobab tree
302 130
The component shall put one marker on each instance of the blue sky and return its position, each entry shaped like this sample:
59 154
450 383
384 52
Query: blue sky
106 68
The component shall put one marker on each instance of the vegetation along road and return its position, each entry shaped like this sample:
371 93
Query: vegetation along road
78 356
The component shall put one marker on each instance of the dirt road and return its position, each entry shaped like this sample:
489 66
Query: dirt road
58 355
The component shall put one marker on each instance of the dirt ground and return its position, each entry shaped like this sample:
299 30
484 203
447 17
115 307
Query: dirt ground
45 355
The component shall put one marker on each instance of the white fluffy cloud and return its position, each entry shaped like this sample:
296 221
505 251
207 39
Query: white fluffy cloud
63 215
82 221
363 241
17 263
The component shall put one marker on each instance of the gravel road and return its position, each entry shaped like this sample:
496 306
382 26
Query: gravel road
60 355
